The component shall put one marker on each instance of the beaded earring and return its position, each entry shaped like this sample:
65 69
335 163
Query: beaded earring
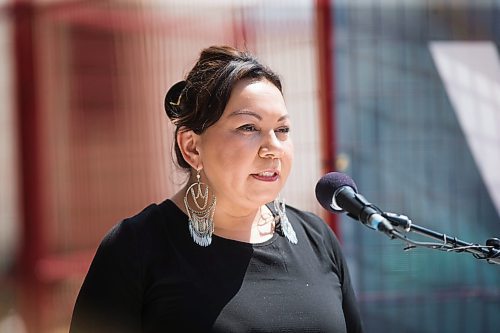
282 222
201 217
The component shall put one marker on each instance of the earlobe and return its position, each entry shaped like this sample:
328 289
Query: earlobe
188 142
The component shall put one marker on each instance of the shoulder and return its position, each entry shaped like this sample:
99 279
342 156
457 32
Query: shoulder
312 223
130 226
126 240
124 249
316 232
147 221
138 221
142 236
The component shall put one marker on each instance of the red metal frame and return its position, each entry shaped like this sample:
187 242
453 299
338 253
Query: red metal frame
32 248
326 89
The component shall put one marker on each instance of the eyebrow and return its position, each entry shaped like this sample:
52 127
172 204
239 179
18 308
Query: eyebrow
253 114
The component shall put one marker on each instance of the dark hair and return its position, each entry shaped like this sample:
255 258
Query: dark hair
199 101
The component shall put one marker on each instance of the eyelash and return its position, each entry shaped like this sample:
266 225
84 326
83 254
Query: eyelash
252 128
248 128
285 129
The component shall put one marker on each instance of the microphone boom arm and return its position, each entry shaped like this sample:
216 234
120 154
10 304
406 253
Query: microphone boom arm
489 252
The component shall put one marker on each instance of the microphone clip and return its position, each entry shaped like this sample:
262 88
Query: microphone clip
398 220
372 217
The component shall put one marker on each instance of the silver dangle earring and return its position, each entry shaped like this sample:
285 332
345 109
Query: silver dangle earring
201 218
282 221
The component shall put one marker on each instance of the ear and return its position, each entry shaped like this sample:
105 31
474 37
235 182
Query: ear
188 142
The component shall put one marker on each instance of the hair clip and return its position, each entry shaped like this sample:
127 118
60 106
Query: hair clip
178 101
175 92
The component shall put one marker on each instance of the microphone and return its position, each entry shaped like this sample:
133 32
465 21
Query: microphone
337 193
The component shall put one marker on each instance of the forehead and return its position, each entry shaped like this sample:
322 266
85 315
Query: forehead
259 96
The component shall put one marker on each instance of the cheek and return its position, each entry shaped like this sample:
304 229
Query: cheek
287 159
229 155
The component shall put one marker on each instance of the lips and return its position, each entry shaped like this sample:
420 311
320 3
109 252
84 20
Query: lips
267 175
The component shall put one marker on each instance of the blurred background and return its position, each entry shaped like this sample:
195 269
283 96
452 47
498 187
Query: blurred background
404 96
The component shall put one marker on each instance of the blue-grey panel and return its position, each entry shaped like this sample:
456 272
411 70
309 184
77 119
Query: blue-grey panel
408 154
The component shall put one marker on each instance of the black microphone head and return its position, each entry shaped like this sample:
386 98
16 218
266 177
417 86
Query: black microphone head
328 184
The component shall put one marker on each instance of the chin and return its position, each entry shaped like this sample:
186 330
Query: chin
261 196
266 199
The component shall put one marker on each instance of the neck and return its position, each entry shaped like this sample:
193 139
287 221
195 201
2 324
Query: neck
254 227
250 226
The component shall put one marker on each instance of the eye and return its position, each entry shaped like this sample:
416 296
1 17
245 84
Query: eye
248 128
284 129
282 132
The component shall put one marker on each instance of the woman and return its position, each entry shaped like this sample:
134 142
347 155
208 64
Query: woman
222 255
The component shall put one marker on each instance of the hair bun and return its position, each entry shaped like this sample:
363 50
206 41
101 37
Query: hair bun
173 100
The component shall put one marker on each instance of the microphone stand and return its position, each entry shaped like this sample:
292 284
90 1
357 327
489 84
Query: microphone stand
489 252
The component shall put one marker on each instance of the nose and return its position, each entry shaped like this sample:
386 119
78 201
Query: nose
271 147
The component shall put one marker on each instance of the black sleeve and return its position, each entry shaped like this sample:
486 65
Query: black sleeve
349 302
111 295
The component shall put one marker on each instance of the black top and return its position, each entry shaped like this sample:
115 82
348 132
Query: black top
149 276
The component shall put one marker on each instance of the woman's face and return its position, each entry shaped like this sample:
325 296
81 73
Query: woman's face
247 154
